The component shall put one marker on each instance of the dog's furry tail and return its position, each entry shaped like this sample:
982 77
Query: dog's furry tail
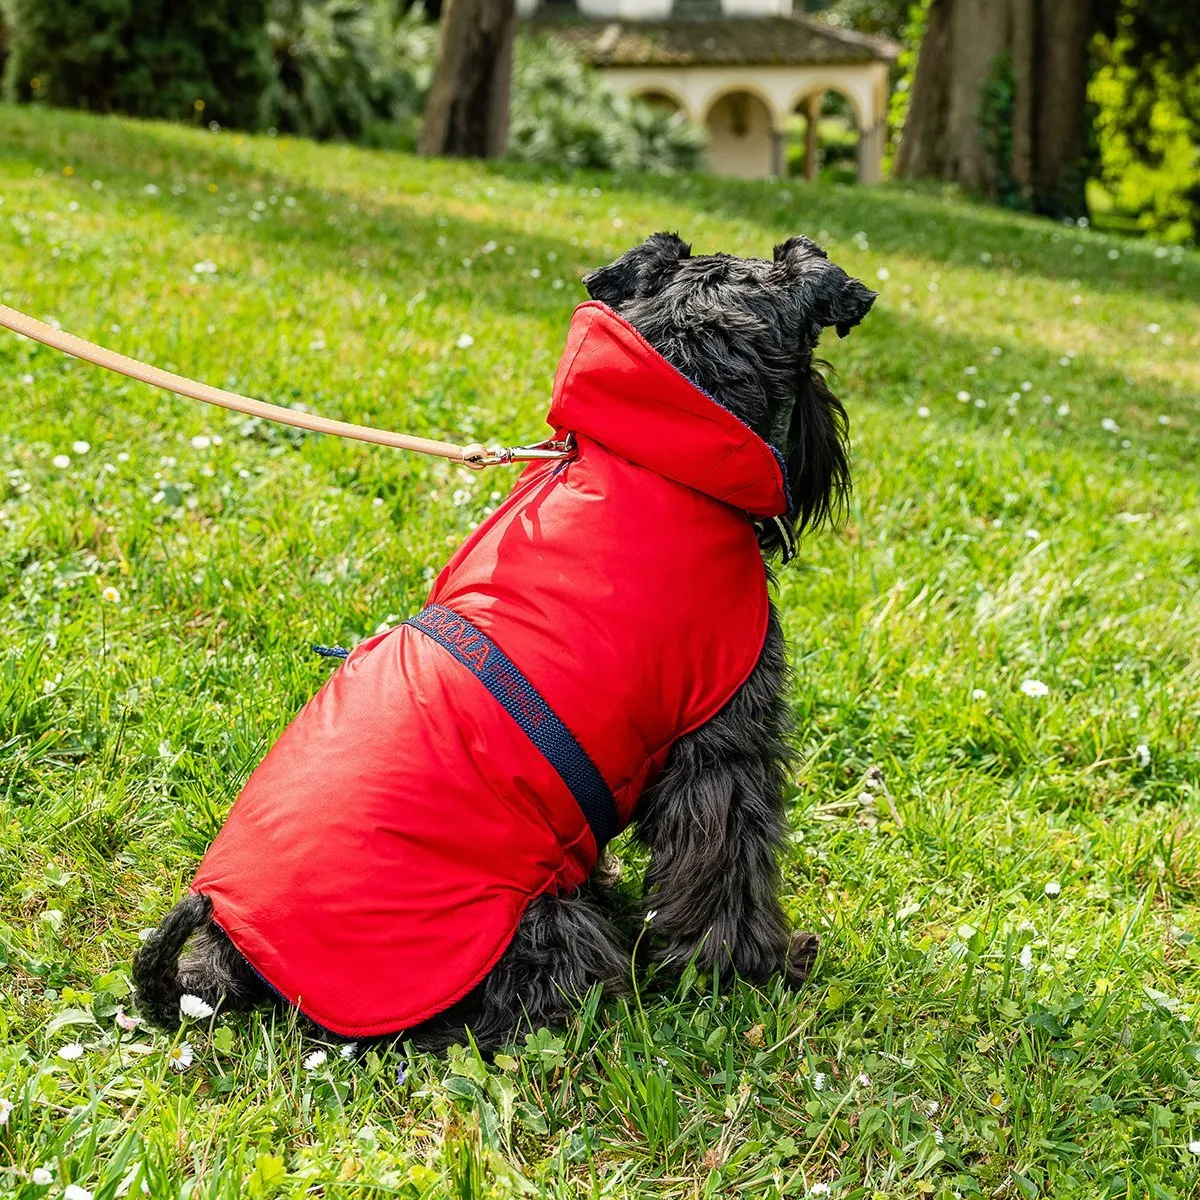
156 965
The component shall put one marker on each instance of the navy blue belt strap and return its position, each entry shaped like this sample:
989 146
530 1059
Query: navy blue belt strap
522 701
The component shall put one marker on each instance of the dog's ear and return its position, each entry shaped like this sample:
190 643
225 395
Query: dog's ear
830 296
817 458
638 272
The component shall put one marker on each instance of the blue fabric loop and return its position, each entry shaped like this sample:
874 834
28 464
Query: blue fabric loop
521 700
331 651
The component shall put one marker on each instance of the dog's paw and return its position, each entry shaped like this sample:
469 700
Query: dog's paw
607 872
801 955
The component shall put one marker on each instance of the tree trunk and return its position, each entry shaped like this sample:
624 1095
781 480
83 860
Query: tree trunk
978 35
943 137
1024 42
812 140
1061 143
466 115
922 150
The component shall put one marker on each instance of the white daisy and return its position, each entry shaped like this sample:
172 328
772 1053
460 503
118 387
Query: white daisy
41 1177
125 1021
201 442
863 1079
1034 687
819 1189
650 916
61 461
932 1108
350 1049
71 1051
1194 1147
465 341
1026 957
1142 753
1053 888
922 411
963 397
74 1192
6 1107
314 1060
1109 425
194 1008
111 594
80 447
978 694
883 275
181 1057
818 1081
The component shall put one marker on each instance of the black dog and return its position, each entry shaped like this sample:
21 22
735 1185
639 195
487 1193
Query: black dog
744 331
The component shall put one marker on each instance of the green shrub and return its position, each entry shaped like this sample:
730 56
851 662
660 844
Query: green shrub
1147 135
343 68
997 103
564 112
354 70
149 58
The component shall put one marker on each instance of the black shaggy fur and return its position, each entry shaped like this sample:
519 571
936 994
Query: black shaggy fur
744 330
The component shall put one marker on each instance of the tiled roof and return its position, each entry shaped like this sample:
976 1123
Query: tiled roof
722 41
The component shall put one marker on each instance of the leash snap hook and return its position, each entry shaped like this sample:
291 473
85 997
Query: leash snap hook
477 456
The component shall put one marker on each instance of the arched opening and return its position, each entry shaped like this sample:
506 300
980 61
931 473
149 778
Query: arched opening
657 98
823 134
741 137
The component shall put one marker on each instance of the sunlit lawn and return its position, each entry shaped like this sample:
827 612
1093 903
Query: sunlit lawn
1006 1004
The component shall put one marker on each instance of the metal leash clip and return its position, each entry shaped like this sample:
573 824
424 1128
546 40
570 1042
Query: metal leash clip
477 456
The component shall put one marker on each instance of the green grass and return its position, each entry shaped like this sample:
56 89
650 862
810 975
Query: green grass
1023 539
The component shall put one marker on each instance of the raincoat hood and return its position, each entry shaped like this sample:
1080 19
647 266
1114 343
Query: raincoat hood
615 388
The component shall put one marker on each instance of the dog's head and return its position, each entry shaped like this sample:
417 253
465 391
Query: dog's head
744 330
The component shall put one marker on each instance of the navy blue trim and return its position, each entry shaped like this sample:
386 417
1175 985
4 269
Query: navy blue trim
787 488
521 700
331 651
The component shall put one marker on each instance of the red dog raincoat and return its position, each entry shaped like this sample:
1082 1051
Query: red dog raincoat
378 861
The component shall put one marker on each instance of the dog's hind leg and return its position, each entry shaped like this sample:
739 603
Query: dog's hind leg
189 955
563 947
714 823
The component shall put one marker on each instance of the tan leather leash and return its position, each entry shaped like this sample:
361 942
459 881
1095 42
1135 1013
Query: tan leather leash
475 456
